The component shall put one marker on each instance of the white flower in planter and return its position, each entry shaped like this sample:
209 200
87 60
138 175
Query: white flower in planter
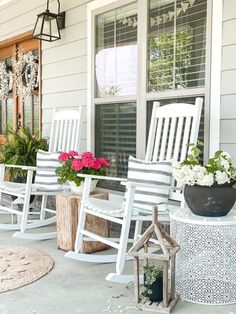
219 170
224 164
207 180
222 177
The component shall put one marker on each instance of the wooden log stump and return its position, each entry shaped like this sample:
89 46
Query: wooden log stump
68 206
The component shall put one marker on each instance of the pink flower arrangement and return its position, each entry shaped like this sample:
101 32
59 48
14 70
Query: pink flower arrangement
72 163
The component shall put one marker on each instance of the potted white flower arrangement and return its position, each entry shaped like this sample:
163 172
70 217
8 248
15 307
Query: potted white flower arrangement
209 190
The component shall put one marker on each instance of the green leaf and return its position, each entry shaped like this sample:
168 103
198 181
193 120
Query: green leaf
20 148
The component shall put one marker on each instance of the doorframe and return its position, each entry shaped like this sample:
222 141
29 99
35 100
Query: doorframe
13 42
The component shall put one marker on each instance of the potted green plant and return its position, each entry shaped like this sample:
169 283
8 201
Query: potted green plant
209 190
20 148
153 282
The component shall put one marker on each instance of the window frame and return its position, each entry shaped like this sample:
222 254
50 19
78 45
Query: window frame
211 91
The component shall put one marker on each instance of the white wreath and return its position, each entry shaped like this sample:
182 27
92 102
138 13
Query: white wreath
5 81
26 66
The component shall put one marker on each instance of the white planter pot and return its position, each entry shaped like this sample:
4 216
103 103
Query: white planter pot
79 189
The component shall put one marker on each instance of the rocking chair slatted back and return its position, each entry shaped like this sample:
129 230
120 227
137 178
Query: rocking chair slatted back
172 128
65 130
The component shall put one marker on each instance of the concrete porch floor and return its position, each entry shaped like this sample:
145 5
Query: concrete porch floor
75 287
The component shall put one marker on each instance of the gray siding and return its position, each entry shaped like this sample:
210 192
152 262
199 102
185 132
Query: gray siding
64 77
228 85
64 62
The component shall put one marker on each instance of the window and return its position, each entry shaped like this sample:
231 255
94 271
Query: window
116 77
116 52
176 45
127 81
16 111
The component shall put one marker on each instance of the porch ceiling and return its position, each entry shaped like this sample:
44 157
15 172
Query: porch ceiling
2 2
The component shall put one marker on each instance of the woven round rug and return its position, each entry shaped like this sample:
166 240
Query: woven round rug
20 266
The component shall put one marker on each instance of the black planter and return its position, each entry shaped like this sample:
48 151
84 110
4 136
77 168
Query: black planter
214 201
157 290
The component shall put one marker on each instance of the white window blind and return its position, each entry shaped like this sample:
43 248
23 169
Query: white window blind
116 52
116 136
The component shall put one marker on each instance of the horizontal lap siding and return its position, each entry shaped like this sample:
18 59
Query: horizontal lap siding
228 85
64 63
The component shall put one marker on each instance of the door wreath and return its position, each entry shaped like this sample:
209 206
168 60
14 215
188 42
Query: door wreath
26 73
5 81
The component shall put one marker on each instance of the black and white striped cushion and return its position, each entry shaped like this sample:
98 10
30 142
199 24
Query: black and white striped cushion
46 178
157 173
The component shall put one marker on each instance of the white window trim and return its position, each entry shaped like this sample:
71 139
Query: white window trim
211 91
215 83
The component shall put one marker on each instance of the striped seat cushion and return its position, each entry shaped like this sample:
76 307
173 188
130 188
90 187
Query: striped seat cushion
46 178
157 173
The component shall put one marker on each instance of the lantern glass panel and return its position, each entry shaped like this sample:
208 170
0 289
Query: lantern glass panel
38 26
47 27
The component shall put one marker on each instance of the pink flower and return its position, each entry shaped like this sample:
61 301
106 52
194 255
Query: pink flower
87 155
76 164
104 162
63 157
88 162
96 164
72 153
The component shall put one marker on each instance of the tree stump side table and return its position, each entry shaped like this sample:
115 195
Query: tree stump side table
67 207
206 263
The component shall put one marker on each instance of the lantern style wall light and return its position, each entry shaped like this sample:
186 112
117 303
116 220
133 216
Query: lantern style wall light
48 24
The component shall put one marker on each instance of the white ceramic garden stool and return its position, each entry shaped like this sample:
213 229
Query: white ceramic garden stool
206 262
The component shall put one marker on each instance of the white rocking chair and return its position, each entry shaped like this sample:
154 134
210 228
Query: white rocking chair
172 127
64 136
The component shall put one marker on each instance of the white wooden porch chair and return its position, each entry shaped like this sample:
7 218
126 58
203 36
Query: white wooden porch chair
172 127
64 136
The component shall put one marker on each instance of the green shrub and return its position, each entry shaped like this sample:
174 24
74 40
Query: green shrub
20 148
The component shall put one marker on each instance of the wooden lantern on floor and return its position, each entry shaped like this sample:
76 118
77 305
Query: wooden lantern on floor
149 246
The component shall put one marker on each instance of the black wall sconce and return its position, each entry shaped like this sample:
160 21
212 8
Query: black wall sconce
48 24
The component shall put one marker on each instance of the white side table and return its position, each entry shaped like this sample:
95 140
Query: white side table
206 262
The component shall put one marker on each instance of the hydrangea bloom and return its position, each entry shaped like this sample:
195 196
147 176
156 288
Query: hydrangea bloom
64 157
207 180
72 153
97 164
219 170
222 177
224 164
76 164
88 162
87 155
72 164
103 162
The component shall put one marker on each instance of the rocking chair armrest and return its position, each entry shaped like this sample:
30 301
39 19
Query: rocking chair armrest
101 177
32 168
20 167
152 186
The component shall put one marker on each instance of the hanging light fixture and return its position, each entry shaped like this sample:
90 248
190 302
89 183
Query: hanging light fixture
48 24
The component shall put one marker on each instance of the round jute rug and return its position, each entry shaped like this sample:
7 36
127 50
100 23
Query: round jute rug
20 266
